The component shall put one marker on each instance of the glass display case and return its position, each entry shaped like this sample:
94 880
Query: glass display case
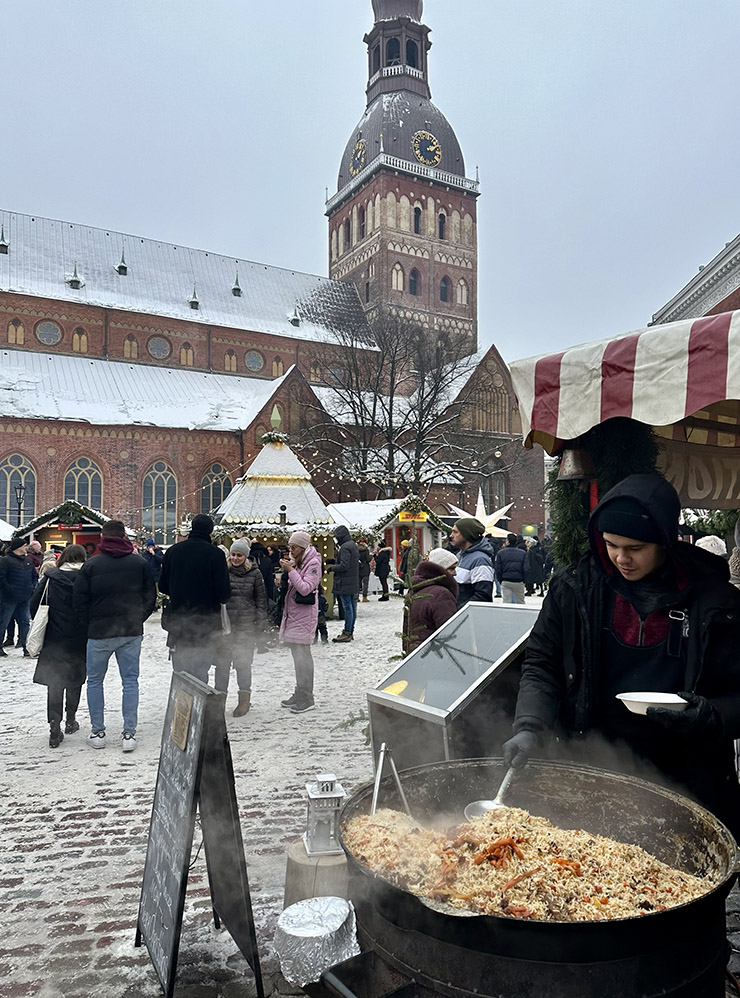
454 696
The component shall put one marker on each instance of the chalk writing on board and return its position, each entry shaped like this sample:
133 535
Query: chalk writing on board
171 834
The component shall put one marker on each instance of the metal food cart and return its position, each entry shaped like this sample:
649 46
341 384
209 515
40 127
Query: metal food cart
454 696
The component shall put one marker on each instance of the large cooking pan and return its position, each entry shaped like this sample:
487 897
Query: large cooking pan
681 951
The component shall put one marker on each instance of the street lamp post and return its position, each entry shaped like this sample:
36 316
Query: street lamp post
20 491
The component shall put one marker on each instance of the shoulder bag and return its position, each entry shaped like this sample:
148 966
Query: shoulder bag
37 631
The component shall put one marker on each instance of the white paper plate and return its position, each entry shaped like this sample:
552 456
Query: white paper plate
638 703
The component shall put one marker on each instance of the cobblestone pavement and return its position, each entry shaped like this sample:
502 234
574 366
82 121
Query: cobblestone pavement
75 821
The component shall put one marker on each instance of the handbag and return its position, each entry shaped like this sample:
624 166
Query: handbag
37 631
308 600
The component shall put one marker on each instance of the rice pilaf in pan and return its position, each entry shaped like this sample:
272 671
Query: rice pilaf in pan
511 863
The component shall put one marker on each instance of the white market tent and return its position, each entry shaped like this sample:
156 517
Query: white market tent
6 530
681 378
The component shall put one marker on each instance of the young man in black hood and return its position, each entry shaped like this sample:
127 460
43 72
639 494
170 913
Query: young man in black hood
641 611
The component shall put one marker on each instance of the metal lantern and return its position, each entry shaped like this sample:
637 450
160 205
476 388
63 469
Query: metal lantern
325 798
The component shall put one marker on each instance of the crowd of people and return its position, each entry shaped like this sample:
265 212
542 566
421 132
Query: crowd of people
640 610
220 606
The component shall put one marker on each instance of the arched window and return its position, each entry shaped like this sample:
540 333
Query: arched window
16 470
230 361
214 487
412 53
361 222
347 233
277 367
186 355
83 482
414 282
79 340
334 245
393 52
259 433
445 289
314 373
397 277
131 347
376 60
16 332
417 220
441 224
462 292
159 499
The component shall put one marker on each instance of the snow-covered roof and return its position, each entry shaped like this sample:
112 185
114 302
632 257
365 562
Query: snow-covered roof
37 385
6 530
275 479
43 254
364 515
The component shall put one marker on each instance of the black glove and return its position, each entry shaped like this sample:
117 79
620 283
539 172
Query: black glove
699 718
519 748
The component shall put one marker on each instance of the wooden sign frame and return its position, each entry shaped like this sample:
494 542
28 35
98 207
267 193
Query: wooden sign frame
195 773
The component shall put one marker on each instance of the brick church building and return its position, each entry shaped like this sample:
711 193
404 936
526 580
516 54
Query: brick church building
138 376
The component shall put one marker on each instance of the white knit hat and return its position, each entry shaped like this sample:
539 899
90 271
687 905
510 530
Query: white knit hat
301 539
445 559
241 546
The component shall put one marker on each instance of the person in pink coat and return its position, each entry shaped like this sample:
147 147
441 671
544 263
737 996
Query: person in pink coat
300 615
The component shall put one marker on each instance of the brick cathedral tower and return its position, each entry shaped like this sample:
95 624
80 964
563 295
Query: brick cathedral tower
402 225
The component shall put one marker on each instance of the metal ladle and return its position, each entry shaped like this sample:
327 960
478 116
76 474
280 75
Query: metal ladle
478 807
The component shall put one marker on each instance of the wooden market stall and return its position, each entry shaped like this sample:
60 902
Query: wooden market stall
391 521
67 523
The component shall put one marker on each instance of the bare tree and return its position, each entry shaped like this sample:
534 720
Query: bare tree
394 406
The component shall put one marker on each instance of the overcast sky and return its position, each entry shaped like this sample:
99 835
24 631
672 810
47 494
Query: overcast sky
606 132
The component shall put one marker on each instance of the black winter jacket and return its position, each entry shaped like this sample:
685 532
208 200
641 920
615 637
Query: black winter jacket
383 563
561 675
510 564
62 659
196 578
114 594
247 605
17 578
347 566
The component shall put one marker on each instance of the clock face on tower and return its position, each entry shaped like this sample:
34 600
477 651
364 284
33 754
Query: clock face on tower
359 158
426 148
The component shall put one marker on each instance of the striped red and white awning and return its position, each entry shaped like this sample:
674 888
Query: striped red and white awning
658 376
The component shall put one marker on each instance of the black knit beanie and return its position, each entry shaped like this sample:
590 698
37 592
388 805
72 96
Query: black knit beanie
626 517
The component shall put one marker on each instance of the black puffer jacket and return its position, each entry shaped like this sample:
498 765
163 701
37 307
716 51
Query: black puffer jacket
196 578
17 578
433 602
247 605
561 677
347 567
62 659
114 592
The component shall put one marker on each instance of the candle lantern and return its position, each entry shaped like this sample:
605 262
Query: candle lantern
324 802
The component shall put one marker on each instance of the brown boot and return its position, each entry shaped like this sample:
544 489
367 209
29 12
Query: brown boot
242 708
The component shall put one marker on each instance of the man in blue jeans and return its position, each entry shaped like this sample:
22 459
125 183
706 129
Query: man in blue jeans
114 594
346 580
17 580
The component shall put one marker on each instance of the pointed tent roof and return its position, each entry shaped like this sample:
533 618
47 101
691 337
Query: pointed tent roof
275 479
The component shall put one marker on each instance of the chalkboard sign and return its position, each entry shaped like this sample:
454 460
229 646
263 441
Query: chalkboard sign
195 771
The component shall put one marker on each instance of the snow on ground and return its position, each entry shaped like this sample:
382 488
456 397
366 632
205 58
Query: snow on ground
75 820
